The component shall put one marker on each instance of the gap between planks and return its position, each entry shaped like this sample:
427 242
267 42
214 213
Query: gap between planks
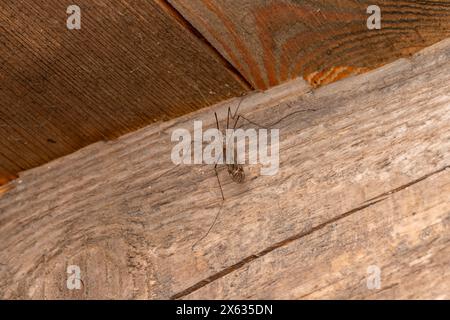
243 262
189 27
135 169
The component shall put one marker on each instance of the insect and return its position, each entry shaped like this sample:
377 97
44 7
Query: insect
234 169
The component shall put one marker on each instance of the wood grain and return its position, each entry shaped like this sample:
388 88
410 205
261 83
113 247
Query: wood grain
131 64
405 234
363 179
272 41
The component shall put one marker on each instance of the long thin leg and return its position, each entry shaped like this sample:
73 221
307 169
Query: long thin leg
218 180
228 118
215 166
261 126
210 228
220 186
217 121
250 121
239 116
235 123
218 213
257 124
237 109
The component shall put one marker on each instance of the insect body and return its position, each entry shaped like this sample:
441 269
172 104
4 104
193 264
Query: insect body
236 172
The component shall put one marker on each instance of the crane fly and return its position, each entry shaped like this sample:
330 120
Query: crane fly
234 169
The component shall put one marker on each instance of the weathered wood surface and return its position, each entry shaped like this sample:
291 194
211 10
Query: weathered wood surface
131 64
271 41
405 234
363 180
134 63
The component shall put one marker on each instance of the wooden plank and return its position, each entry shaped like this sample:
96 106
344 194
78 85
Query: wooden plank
405 235
128 217
273 41
131 64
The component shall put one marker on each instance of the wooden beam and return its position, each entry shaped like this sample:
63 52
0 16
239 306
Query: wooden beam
273 41
130 64
135 63
403 235
358 163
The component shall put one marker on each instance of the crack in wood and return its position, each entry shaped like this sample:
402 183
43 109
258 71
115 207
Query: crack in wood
387 194
173 12
300 235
